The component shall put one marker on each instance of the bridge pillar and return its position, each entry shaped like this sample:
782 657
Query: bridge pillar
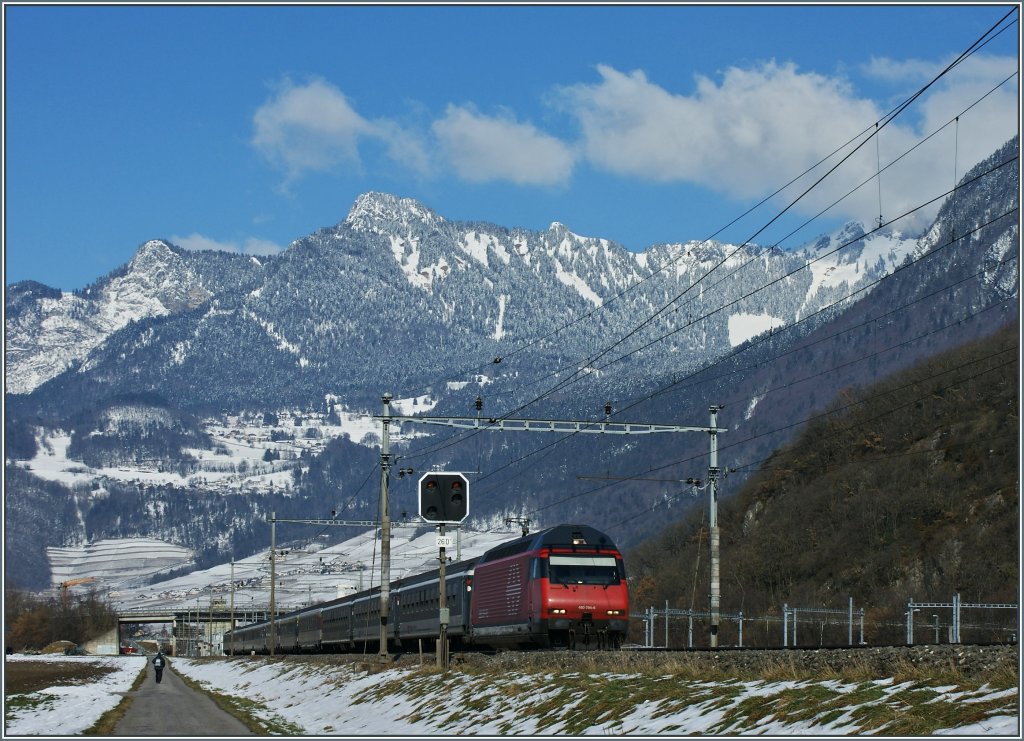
107 644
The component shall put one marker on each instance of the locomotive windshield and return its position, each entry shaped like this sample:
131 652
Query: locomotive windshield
583 570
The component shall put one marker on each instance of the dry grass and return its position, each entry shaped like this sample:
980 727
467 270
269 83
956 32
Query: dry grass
948 666
671 683
22 677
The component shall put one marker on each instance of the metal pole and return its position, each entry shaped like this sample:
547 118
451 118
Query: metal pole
209 622
231 619
849 624
666 623
273 582
956 618
785 625
716 597
385 527
741 629
442 602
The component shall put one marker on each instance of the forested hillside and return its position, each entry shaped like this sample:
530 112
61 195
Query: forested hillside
907 490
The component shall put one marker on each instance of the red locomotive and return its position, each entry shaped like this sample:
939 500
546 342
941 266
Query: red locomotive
561 587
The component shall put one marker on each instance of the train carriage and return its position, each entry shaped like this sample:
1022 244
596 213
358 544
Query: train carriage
415 612
309 633
247 638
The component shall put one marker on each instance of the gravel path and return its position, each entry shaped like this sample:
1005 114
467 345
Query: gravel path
173 709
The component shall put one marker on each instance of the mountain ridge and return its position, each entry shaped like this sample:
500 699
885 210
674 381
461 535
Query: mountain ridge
439 312
494 274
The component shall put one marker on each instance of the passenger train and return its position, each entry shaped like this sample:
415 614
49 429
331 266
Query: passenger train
564 587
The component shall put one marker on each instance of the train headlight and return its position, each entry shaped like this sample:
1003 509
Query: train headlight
614 612
558 611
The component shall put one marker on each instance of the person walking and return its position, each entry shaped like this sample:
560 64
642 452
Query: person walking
158 665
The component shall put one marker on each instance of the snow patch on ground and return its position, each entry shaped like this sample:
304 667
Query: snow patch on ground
574 281
339 700
744 326
499 325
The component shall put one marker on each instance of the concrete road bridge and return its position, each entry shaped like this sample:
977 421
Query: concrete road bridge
195 631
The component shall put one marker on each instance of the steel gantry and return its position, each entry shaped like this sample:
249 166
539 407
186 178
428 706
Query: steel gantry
505 424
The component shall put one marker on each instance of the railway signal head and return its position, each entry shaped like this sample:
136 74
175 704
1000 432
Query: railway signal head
444 497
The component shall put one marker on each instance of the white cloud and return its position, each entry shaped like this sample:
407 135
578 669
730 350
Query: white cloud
256 246
743 134
313 127
988 124
738 137
902 72
250 246
308 127
750 132
486 148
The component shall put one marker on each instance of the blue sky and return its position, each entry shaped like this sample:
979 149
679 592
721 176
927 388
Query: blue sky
247 127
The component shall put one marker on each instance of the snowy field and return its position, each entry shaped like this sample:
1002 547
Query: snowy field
340 700
69 710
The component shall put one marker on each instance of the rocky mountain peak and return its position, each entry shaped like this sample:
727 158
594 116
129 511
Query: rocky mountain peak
378 212
158 273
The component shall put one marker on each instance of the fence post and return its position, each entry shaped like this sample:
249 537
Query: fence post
741 629
785 625
909 622
849 624
956 619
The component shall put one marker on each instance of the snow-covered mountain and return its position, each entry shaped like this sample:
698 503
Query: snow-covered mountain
48 331
189 394
396 273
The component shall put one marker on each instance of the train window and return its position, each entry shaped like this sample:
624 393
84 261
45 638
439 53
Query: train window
583 570
538 568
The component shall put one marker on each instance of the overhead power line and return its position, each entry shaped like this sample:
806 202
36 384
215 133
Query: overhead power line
987 37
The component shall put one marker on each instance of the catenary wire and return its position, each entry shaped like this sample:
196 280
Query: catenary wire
886 119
